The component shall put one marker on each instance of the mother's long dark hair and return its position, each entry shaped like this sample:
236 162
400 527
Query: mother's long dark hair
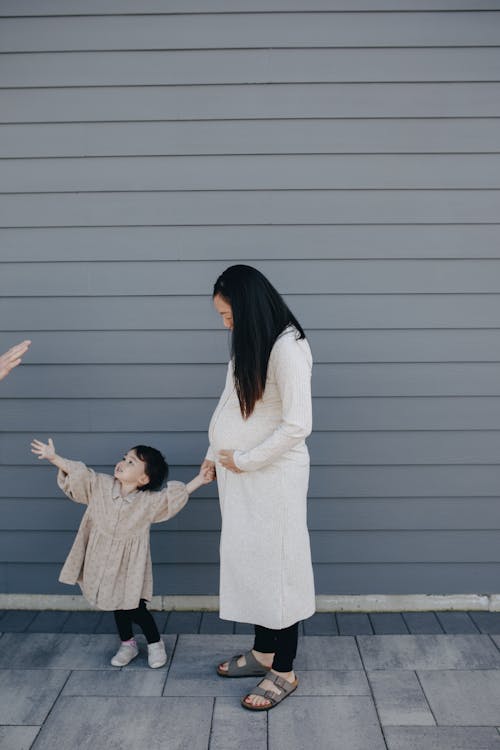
260 315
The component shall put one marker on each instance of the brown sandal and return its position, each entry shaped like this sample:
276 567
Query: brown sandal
286 688
251 668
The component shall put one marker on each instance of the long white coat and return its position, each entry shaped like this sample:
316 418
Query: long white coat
266 575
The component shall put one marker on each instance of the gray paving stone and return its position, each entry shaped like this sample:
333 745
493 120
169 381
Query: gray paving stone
321 623
243 628
57 651
456 622
487 622
81 622
334 723
333 682
183 622
463 698
154 723
28 695
211 623
354 623
193 668
119 682
441 738
233 727
17 620
399 699
48 622
422 623
388 623
428 652
324 652
17 738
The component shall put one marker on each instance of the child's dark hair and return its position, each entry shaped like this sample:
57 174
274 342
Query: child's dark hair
156 466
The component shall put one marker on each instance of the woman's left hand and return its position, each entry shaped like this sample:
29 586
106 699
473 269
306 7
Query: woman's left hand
227 461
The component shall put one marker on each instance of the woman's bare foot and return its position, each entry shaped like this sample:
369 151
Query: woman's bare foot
265 659
259 700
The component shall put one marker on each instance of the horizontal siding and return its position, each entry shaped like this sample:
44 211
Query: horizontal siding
257 242
140 68
250 102
332 346
460 480
341 514
297 30
192 381
186 547
312 172
327 448
304 277
21 144
251 207
347 149
348 311
192 414
111 7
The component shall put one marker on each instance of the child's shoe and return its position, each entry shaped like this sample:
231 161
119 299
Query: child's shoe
125 654
157 656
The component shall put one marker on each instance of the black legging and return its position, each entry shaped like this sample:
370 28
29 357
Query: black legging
283 643
142 617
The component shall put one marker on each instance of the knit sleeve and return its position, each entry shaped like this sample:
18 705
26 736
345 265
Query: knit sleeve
170 501
78 482
292 363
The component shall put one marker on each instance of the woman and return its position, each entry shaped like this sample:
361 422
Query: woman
257 446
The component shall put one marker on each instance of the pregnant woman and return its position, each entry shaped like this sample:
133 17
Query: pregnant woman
257 435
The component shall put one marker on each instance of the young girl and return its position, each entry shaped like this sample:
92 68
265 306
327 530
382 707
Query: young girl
110 558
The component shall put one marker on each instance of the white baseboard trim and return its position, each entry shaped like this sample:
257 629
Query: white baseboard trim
324 602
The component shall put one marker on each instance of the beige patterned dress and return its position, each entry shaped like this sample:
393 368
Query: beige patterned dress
110 558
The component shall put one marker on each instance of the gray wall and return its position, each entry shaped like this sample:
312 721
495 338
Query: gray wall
350 149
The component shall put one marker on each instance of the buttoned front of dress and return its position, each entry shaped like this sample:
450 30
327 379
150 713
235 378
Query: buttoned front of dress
110 558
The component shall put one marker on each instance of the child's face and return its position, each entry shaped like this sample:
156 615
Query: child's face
131 471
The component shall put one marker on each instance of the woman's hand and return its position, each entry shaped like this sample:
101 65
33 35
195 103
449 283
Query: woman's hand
12 358
226 459
43 450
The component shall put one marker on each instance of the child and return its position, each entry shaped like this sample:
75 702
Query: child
110 557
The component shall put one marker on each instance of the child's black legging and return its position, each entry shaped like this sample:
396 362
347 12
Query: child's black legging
142 617
283 643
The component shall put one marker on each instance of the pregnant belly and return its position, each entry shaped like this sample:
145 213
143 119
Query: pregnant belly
229 430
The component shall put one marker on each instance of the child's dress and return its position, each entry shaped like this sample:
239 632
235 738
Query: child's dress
110 558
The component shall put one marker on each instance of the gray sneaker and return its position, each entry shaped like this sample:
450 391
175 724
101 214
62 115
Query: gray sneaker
125 654
157 656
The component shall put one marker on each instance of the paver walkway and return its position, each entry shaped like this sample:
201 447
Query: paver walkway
428 681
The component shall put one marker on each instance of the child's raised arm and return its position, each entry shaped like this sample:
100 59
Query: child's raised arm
74 478
48 451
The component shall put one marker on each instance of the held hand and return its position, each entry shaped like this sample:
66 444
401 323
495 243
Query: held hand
208 468
226 458
43 450
12 358
207 472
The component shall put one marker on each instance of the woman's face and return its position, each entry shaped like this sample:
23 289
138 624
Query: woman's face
225 311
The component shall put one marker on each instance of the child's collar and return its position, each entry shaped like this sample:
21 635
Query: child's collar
117 495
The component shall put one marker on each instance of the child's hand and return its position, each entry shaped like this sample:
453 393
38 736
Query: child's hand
43 450
207 472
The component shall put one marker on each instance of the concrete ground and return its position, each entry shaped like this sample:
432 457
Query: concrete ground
388 681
